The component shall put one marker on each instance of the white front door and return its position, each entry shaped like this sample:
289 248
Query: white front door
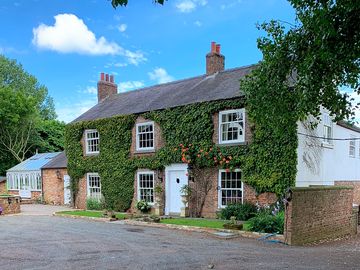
67 192
175 178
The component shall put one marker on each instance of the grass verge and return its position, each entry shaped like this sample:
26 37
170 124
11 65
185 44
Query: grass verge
88 213
206 223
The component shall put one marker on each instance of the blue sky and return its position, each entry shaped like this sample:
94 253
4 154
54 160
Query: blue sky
66 44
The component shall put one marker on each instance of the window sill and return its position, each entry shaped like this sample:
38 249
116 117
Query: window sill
150 151
232 144
327 145
92 154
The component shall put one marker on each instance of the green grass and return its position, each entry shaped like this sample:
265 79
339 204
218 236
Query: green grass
207 223
97 214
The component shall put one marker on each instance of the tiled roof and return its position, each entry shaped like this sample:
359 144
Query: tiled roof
60 161
219 86
34 163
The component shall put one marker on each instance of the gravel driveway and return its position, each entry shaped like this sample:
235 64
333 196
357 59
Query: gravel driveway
46 242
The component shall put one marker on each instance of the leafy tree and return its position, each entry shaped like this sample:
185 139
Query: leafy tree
116 3
27 116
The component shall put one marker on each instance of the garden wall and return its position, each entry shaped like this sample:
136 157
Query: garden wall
317 213
10 204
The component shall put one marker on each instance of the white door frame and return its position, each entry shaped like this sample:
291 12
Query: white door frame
168 169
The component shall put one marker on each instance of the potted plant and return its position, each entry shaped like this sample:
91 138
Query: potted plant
143 206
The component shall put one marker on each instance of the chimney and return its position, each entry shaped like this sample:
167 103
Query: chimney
106 86
215 61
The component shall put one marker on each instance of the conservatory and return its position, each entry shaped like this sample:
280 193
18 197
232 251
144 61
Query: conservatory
25 178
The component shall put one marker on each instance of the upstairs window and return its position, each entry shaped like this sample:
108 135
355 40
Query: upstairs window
94 186
146 186
92 140
352 147
232 126
328 129
145 136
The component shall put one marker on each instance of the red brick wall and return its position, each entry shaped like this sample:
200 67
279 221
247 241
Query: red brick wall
356 187
35 195
80 200
317 213
53 187
158 139
10 208
263 199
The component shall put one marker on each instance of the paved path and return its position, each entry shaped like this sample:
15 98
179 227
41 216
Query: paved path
46 242
40 209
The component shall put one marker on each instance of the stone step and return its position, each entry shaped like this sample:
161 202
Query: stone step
27 201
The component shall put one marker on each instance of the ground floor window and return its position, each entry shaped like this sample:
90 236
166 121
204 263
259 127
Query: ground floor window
94 186
145 182
230 187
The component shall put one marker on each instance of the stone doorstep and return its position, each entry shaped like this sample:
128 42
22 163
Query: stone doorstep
227 234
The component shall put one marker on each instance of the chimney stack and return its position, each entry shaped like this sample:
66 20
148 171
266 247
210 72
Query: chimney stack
106 86
215 61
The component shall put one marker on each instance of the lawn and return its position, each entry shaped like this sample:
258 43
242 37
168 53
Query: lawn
88 213
207 223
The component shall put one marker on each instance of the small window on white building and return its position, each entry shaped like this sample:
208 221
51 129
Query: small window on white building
230 187
328 128
92 140
146 186
145 136
93 186
352 147
232 126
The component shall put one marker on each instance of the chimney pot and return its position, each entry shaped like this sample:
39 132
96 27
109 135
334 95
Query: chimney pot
213 46
102 76
107 77
218 47
112 78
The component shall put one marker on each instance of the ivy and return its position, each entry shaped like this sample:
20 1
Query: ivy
185 125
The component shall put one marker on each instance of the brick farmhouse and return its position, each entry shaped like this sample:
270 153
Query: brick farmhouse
321 160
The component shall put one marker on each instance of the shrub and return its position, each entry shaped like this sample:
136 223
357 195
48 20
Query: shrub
143 206
240 211
265 222
93 204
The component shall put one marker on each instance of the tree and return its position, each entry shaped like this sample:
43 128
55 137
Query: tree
116 3
27 116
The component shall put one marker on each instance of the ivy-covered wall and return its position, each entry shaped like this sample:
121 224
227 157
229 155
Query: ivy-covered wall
187 132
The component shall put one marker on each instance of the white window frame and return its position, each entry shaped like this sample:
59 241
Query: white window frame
138 185
352 146
241 138
327 123
88 192
138 148
220 205
87 132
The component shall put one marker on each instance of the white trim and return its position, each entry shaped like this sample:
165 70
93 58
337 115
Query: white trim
138 184
352 146
87 183
137 136
168 169
87 131
219 187
239 140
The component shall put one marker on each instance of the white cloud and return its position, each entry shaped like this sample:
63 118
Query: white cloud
230 5
187 6
91 90
198 23
122 27
160 75
130 85
70 34
70 111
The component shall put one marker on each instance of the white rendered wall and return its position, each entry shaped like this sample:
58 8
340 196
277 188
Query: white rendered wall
322 164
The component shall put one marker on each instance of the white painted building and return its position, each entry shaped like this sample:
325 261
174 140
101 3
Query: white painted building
328 153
